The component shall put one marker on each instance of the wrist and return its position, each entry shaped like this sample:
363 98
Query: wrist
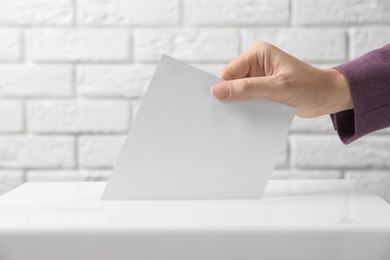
340 92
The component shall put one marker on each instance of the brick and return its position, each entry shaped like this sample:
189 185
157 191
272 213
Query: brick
11 116
113 80
35 81
295 174
99 151
64 44
377 181
309 44
363 40
322 124
36 12
9 45
236 12
67 175
36 151
336 12
186 44
83 116
10 179
124 12
316 151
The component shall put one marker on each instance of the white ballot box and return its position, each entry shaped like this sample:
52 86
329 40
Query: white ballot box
296 220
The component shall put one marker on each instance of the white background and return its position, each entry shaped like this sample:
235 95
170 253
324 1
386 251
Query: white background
73 72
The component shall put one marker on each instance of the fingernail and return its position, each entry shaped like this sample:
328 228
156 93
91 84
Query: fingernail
221 90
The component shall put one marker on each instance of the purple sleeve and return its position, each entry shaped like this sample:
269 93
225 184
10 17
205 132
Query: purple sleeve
369 81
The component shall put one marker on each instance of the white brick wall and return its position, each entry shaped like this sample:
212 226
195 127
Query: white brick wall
368 38
316 151
9 179
113 80
36 12
23 152
11 116
73 116
99 151
322 124
377 181
73 44
73 74
336 12
125 12
309 44
27 80
10 46
236 12
67 175
186 44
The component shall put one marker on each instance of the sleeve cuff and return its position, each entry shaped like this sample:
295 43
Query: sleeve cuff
368 78
344 124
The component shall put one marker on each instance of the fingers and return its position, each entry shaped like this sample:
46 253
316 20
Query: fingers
238 68
247 64
246 88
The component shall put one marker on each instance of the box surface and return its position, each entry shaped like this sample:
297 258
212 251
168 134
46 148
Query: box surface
296 220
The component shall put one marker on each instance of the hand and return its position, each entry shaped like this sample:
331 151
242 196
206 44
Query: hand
265 71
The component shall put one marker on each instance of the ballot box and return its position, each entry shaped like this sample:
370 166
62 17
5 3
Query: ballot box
295 220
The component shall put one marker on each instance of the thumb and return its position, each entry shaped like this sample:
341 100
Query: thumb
246 88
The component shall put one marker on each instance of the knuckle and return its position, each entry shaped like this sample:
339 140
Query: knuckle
262 45
284 81
245 86
261 48
283 88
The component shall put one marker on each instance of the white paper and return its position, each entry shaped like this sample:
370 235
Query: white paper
186 144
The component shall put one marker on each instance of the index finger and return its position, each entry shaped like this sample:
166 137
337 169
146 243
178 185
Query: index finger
236 69
245 65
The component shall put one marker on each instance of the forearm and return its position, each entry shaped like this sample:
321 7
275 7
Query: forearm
369 82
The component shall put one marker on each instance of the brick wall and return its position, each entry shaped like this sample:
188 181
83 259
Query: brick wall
73 73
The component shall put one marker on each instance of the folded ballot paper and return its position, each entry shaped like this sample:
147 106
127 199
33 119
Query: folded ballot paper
186 144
